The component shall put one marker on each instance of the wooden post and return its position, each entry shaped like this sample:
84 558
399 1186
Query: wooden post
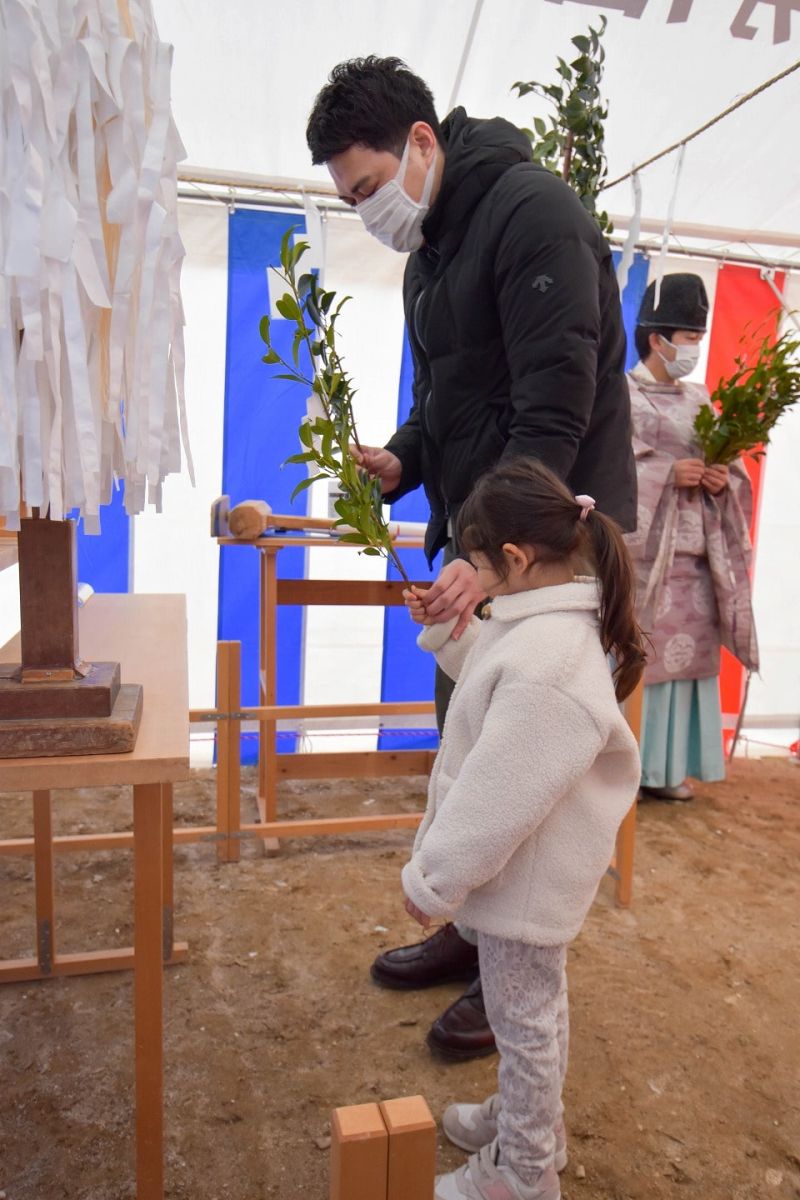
359 1153
148 988
412 1148
52 704
48 596
626 835
45 885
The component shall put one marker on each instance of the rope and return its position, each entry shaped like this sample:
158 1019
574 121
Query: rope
726 112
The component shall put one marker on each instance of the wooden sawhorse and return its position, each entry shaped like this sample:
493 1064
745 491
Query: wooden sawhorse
338 764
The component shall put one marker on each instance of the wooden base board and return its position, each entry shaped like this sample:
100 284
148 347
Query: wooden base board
49 737
92 962
90 696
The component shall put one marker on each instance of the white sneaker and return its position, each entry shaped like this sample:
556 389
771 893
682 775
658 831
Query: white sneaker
482 1179
472 1126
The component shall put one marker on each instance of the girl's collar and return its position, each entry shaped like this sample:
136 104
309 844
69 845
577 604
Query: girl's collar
581 595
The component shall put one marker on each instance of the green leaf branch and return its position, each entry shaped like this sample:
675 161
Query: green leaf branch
744 408
327 439
570 143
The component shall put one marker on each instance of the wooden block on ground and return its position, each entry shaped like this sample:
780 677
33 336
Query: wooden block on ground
412 1148
359 1153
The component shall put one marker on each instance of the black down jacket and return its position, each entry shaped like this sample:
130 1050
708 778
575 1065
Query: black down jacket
515 324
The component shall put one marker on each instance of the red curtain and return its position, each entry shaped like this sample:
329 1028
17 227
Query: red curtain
745 305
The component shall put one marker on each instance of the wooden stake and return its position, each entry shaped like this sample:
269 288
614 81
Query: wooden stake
234 757
626 835
45 886
223 749
359 1153
412 1148
268 691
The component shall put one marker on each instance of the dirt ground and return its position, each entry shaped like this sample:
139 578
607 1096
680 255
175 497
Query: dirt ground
684 1078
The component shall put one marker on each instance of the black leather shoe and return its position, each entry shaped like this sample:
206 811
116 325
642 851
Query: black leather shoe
462 1031
443 957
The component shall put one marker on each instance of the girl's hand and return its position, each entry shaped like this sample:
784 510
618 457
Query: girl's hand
688 472
715 479
419 916
415 604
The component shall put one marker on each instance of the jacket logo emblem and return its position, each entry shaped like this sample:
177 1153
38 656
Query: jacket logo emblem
542 282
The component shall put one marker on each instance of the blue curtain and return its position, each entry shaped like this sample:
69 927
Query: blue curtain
631 299
104 558
261 418
407 672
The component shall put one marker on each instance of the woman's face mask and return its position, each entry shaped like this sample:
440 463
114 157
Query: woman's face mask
390 214
685 360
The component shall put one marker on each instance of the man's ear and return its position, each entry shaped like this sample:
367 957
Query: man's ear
423 137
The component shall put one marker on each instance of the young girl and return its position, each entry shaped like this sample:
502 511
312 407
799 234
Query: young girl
536 769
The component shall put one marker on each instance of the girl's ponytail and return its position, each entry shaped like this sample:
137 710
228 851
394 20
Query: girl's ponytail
619 632
521 501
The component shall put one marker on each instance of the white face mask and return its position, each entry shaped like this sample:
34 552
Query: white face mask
685 360
390 214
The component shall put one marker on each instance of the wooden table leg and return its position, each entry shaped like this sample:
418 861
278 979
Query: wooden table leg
45 883
168 892
148 850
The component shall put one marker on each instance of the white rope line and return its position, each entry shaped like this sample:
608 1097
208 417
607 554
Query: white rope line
691 136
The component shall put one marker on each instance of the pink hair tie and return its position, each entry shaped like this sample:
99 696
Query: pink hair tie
587 504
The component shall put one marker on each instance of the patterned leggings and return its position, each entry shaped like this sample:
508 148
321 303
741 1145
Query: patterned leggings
525 992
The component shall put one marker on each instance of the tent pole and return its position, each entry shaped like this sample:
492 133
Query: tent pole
473 25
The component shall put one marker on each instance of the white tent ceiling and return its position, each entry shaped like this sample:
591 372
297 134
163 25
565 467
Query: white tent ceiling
245 76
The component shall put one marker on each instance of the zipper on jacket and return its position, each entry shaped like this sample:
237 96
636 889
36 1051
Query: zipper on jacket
421 349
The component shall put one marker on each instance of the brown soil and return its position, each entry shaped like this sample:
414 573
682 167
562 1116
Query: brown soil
685 1048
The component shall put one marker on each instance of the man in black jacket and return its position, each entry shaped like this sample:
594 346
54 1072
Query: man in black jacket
515 325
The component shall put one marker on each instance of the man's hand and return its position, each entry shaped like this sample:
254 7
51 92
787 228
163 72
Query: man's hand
688 472
379 464
715 479
419 916
454 594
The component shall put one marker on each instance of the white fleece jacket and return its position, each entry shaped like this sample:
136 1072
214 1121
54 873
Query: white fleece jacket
536 769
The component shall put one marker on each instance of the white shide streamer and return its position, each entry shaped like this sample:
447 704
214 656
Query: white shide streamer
629 249
658 273
91 322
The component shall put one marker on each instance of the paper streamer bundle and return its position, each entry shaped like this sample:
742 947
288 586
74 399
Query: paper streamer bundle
91 322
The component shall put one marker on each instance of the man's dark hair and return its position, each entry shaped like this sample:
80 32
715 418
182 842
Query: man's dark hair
641 337
368 102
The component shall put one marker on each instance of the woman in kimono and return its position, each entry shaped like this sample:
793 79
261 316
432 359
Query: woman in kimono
691 548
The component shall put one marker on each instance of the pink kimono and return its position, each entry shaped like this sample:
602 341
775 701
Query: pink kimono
691 550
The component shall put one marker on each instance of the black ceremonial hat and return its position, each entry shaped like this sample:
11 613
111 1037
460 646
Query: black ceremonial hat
683 304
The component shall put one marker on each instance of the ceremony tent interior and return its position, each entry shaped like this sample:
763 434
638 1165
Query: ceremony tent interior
683 1077
240 106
